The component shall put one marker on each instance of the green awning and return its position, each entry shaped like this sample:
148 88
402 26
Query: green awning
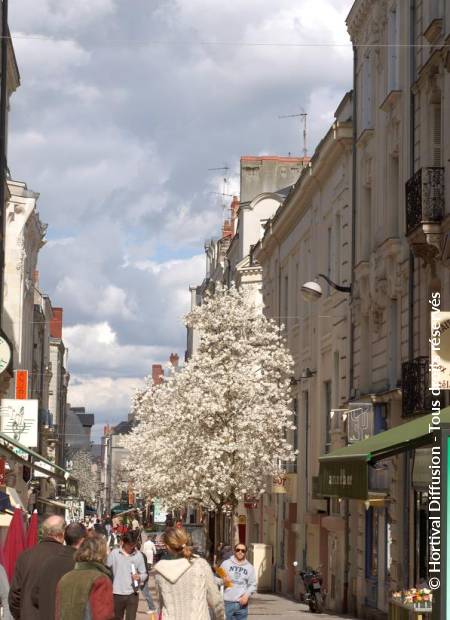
344 472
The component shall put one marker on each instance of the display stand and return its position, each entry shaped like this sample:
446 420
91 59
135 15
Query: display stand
414 611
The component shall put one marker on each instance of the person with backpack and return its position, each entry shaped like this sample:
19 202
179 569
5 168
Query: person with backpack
185 583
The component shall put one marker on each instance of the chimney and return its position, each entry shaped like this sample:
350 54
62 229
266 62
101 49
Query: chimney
227 230
157 374
56 323
174 359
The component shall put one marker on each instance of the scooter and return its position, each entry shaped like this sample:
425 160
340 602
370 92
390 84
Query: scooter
313 597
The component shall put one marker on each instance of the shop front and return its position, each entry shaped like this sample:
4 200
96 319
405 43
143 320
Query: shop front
386 479
29 481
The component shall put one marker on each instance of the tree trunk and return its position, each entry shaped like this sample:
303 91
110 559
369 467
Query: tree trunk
234 538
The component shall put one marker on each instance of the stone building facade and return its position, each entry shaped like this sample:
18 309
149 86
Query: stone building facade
309 235
59 382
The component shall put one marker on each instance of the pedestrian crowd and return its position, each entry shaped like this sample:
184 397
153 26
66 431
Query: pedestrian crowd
95 571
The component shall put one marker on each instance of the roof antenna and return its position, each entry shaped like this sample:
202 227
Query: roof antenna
224 191
303 115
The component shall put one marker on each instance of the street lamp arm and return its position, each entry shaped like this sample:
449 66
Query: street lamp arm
338 287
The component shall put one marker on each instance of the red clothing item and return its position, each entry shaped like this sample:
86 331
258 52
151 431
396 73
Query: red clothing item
101 599
101 602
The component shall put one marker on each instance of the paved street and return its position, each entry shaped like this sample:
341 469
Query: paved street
265 606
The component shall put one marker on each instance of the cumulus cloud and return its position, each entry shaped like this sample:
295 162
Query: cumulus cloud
120 115
95 349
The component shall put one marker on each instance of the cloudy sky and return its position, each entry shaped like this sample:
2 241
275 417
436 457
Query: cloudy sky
123 107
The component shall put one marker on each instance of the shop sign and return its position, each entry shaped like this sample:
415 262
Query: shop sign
19 420
250 502
159 512
360 421
440 350
21 384
344 478
74 510
279 484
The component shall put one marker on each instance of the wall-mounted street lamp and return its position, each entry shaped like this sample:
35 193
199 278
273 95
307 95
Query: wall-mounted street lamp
307 373
312 291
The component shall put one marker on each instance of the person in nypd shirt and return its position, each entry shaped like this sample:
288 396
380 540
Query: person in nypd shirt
243 577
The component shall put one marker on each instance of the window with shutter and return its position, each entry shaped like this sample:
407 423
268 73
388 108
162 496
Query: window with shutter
436 135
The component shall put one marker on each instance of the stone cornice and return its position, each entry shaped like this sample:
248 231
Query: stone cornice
363 27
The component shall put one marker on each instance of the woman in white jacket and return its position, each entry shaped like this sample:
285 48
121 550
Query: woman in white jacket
185 583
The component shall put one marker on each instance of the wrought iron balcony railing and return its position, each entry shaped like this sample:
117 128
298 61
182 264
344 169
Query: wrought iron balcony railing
416 396
424 198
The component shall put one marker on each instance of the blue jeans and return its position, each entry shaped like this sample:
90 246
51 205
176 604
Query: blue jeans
234 611
148 597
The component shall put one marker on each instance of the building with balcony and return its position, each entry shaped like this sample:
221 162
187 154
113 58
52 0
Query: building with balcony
399 259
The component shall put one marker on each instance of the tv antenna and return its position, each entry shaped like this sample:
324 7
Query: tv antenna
224 192
303 115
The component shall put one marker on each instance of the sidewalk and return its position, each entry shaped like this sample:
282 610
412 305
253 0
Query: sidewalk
265 606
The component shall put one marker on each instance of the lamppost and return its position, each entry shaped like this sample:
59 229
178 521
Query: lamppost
312 291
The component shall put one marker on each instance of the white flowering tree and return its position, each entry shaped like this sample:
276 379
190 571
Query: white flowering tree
81 469
216 430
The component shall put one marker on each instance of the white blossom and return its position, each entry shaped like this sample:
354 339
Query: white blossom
81 469
214 431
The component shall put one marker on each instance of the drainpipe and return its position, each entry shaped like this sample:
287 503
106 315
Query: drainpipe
407 457
345 602
412 69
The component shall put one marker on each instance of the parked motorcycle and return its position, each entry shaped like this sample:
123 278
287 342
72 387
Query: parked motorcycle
314 595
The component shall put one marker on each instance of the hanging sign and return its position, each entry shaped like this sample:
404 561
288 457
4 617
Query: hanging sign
250 502
74 510
21 384
19 420
279 484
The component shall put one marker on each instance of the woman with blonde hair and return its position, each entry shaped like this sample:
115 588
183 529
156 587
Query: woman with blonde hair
185 583
86 593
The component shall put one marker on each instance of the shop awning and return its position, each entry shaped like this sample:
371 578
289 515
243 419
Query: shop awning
20 453
345 472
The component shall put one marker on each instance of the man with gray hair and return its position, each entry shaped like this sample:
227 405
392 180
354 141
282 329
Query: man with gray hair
29 566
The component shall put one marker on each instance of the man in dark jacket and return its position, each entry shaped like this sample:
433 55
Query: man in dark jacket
29 567
44 596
